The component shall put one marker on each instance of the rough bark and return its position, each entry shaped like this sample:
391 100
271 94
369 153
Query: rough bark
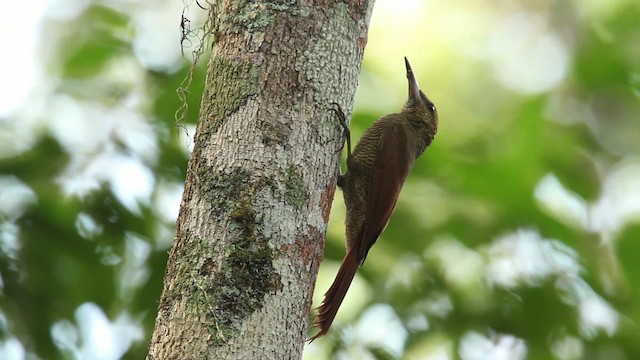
260 183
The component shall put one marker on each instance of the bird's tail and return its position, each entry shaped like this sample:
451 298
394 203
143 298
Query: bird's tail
334 296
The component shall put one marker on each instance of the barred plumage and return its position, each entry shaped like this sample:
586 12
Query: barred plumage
376 171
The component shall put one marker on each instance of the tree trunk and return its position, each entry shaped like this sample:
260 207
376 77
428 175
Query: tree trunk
260 183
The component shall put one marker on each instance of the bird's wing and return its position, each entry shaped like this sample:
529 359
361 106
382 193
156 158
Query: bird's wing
394 159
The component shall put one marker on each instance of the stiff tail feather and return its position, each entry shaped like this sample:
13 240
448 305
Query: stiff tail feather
334 296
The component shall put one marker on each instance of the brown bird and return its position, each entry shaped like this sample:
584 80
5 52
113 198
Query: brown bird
376 171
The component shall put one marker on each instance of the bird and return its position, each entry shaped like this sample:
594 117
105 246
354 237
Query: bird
376 170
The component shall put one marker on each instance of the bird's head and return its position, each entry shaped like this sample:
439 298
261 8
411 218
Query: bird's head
418 103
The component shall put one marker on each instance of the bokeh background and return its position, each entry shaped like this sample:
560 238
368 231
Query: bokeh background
517 235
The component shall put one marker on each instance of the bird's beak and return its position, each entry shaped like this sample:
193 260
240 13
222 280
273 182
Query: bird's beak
414 89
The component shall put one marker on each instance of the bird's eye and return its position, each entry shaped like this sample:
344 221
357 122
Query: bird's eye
432 108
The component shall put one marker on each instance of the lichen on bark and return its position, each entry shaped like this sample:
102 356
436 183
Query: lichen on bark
247 274
232 287
229 85
222 190
253 15
295 193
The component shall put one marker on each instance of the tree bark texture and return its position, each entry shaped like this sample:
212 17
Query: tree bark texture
250 233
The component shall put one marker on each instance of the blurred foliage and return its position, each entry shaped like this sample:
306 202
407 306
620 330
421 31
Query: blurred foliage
517 231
